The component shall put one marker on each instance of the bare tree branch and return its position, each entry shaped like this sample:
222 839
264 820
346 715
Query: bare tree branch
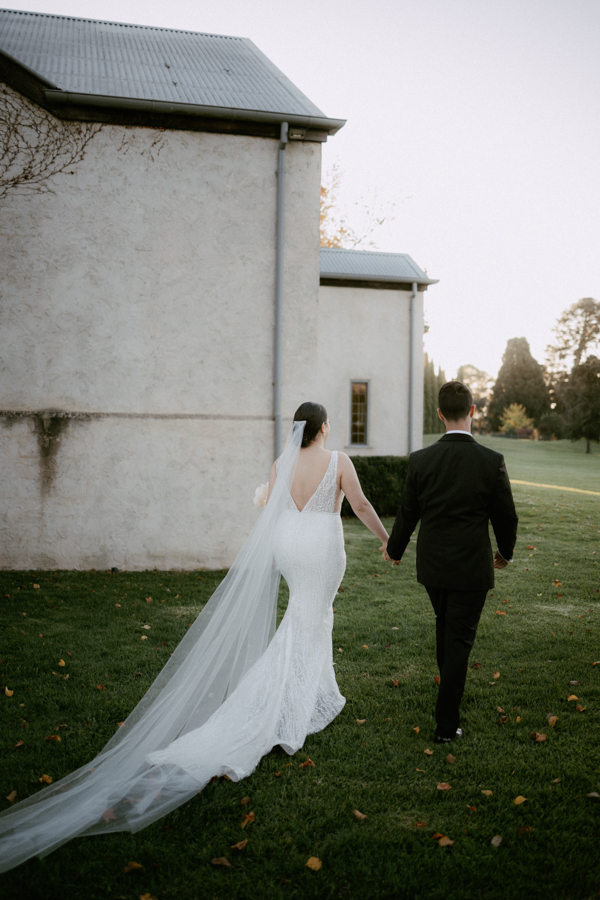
35 145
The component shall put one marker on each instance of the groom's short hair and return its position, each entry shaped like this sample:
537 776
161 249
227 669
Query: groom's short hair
455 400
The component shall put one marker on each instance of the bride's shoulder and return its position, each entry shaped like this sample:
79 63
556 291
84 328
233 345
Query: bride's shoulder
344 461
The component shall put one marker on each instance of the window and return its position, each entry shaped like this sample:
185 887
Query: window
359 400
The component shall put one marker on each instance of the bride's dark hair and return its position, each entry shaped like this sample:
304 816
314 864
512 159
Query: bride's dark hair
314 415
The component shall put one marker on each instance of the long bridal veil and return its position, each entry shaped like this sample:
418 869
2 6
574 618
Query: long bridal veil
119 790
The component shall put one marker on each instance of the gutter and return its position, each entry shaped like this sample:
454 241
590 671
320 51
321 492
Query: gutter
58 98
359 276
279 245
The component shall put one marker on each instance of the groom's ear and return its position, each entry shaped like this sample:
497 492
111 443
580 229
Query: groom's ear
472 413
439 412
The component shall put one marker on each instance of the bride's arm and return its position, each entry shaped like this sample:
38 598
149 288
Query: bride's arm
350 485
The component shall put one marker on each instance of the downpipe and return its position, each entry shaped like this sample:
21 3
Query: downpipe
279 244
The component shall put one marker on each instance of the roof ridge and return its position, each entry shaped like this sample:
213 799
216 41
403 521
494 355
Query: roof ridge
26 12
370 252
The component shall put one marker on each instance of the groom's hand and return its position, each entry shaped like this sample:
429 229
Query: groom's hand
387 557
499 561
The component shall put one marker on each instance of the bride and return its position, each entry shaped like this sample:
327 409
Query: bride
235 687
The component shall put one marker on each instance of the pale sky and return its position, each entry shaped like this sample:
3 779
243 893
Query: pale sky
479 120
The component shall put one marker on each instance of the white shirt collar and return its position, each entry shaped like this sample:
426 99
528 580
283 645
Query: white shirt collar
459 431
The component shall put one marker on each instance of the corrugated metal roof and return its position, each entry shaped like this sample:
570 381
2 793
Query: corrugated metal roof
367 265
108 58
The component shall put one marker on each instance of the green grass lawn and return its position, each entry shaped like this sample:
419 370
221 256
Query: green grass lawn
540 631
549 462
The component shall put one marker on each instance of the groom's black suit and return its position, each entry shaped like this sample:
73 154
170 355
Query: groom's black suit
455 487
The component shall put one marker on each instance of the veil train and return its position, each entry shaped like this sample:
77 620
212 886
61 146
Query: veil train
120 790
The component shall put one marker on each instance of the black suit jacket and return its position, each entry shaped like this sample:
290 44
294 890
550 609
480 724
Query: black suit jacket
456 487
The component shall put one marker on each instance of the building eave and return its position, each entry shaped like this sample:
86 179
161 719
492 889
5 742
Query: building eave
159 113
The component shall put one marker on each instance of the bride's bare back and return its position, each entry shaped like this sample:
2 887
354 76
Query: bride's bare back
313 462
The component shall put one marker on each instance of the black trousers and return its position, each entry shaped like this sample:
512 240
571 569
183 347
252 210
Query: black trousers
457 615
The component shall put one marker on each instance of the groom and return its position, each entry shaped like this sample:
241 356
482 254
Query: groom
455 487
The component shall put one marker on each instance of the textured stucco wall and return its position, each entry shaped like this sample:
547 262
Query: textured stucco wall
364 336
143 286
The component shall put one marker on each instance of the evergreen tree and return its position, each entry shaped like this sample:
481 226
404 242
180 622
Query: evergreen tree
520 380
431 388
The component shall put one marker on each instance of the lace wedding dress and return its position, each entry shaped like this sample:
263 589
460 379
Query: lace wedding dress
234 688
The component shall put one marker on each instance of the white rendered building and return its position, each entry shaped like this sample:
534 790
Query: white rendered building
161 310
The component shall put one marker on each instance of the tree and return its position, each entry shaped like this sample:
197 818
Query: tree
579 401
432 383
35 145
480 385
520 380
577 334
514 419
335 230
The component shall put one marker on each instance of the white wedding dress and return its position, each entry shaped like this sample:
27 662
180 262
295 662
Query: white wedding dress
234 688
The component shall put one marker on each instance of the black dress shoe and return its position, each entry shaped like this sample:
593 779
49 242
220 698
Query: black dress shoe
439 739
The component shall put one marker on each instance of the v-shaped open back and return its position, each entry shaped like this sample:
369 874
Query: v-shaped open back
323 498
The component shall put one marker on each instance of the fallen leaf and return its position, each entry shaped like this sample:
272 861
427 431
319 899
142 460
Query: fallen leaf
445 842
472 808
36 586
52 737
525 829
500 613
11 796
416 729
451 759
248 819
277 774
144 637
502 720
7 692
556 781
436 678
531 547
395 682
496 675
101 687
148 599
573 697
147 896
597 663
364 647
487 793
420 825
61 662
308 762
361 721
147 627
109 815
496 840
573 683
492 683
437 835
220 861
499 708
359 815
314 863
580 708
240 845
46 779
131 866
428 752
19 743
244 801
539 738
518 719
443 786
593 796
552 720
118 605
520 799
421 770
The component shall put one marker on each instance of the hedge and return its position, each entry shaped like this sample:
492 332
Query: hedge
382 479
